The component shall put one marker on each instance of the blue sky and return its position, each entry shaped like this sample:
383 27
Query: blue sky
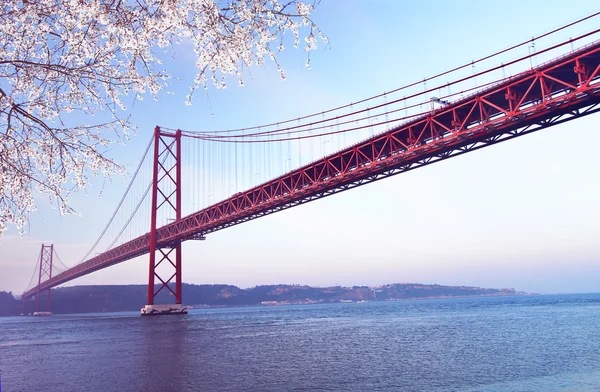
521 214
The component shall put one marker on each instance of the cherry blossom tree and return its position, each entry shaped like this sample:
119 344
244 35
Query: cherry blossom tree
66 59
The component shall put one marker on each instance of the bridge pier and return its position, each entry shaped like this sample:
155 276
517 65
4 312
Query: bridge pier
166 184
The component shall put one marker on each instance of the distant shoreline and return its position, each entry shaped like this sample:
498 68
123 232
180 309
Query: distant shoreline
202 306
115 298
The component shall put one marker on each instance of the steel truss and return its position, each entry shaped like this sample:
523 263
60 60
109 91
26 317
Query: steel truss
166 194
561 90
46 256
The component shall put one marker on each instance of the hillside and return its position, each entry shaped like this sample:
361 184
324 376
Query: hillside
115 298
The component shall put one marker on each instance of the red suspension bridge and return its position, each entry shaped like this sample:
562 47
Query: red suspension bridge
378 137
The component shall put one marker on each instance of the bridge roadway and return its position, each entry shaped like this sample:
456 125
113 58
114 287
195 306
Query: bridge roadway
560 90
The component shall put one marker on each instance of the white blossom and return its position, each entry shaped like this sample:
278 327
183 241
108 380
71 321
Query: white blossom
85 57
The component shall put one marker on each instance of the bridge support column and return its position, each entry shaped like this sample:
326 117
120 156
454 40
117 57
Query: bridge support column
165 269
45 273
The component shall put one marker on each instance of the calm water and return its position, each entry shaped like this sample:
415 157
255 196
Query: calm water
547 343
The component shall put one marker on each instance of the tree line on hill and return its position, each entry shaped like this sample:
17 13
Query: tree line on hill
116 298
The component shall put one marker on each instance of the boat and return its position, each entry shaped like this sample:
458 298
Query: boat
159 310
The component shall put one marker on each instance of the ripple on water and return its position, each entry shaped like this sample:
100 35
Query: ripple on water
545 343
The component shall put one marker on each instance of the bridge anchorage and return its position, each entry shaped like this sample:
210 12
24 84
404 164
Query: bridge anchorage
166 197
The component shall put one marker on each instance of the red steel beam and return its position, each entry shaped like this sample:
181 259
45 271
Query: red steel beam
46 256
166 159
560 90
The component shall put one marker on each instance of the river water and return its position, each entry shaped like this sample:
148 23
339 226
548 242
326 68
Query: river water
536 343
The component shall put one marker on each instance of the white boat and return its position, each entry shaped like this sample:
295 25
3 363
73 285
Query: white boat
158 310
42 313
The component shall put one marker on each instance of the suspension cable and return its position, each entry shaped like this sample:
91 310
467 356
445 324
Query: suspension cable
59 260
410 84
34 270
288 132
130 218
216 138
137 207
119 205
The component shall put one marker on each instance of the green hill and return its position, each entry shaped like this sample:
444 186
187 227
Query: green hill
116 298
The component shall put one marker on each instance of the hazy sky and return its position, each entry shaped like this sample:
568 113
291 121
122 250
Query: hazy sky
522 214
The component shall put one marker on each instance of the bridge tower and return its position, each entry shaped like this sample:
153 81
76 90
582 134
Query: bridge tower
45 273
165 255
